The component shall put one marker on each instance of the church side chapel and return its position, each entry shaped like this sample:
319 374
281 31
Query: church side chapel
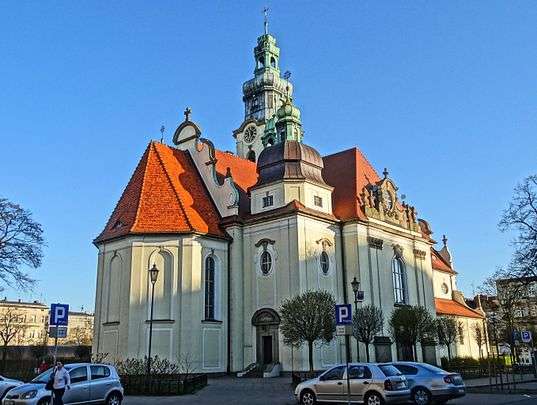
233 235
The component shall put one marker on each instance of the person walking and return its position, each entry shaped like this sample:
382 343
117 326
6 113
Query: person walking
62 381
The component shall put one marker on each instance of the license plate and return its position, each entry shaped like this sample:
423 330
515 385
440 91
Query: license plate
9 402
461 390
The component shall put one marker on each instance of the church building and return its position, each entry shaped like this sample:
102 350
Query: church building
235 234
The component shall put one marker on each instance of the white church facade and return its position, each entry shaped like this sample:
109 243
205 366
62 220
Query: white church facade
233 235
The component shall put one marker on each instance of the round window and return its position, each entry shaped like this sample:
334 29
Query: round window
325 262
445 288
266 263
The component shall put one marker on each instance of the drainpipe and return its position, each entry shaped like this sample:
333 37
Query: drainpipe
228 369
345 298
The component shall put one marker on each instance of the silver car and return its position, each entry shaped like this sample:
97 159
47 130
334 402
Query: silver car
6 384
90 383
370 383
431 384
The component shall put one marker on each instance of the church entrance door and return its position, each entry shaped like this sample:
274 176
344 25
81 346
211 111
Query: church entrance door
267 325
267 349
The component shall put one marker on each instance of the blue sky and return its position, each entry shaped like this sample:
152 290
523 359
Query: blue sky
441 93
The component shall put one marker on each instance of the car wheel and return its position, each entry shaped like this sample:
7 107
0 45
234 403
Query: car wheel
113 399
374 399
44 401
421 396
307 397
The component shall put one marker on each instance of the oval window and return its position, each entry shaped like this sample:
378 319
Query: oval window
325 262
266 263
445 288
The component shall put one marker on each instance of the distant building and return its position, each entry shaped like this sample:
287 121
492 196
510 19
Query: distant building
27 324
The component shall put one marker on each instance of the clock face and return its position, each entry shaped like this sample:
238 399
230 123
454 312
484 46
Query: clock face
388 200
249 134
445 288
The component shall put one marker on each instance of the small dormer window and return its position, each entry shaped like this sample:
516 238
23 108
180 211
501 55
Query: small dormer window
318 201
268 201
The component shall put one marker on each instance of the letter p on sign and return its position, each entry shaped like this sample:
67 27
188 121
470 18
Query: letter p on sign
59 314
343 314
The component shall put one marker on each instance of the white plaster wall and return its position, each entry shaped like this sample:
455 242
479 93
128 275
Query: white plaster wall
441 278
179 328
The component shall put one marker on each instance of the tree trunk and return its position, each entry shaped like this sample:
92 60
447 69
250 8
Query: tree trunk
449 351
367 351
310 355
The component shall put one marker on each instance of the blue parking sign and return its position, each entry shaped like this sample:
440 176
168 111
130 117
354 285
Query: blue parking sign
343 314
59 314
526 336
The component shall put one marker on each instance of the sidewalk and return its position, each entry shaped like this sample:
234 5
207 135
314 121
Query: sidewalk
507 379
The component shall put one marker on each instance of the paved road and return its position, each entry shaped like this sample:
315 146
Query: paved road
278 391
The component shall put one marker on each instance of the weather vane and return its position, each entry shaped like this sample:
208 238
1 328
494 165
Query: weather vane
265 12
287 75
162 128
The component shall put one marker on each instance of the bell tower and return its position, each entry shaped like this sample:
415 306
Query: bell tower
263 95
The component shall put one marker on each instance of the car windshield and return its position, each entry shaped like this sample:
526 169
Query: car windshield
389 370
43 377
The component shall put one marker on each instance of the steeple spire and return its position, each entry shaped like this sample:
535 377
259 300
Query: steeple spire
265 23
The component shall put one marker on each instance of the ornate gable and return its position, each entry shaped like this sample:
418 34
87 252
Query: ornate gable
379 200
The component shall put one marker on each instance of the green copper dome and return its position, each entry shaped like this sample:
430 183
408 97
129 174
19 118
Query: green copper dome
288 110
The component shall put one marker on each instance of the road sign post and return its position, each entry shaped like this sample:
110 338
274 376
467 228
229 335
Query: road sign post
343 326
59 319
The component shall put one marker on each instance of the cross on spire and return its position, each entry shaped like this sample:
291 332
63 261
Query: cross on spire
265 12
385 173
162 128
187 113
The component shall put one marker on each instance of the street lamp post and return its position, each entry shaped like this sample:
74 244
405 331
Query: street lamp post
153 276
358 297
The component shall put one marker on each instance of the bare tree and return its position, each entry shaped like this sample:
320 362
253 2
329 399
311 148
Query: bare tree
12 325
21 243
479 336
448 331
521 217
510 291
366 323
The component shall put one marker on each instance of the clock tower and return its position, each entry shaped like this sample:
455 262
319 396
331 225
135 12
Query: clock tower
263 95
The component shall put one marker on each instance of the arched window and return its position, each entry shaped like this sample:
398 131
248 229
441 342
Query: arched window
273 62
251 156
399 282
209 287
325 262
266 262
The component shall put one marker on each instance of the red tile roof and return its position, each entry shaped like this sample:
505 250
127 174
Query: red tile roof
243 172
163 196
451 307
438 263
348 172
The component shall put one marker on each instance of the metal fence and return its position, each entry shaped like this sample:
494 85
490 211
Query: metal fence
163 384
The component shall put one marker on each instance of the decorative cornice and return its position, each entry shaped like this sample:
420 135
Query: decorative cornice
375 243
265 242
420 254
